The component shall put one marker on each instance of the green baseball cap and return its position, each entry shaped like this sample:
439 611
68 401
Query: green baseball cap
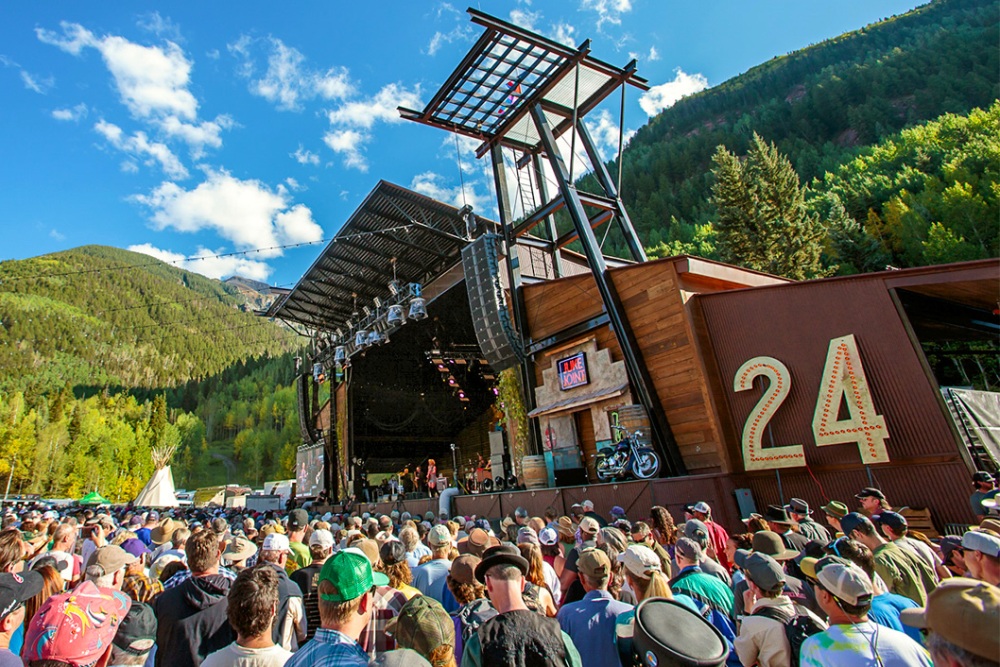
422 625
350 573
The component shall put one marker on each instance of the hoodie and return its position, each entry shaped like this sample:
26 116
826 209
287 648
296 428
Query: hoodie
192 621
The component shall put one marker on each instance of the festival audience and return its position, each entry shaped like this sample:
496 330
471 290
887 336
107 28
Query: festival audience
366 606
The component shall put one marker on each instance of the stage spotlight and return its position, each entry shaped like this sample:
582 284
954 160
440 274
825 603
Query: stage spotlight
395 316
511 481
418 309
361 339
487 485
498 483
340 354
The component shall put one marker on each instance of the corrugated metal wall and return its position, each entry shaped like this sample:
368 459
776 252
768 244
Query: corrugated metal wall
795 324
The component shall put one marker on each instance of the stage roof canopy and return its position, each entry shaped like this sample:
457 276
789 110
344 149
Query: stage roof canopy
488 95
423 236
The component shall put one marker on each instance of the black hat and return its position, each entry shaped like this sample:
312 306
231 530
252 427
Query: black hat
669 634
16 589
870 492
137 632
777 514
392 552
798 506
983 477
894 520
298 519
501 555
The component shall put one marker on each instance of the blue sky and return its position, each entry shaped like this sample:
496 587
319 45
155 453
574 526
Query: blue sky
186 128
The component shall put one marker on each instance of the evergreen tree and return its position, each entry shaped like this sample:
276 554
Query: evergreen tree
762 220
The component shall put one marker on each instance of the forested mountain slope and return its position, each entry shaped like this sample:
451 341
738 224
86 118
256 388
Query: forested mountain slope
822 106
98 316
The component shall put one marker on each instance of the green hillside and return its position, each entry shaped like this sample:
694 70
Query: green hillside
97 316
821 106
106 354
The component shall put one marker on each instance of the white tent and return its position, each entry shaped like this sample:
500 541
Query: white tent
159 490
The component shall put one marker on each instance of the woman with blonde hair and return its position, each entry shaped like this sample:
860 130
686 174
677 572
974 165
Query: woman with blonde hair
645 577
537 596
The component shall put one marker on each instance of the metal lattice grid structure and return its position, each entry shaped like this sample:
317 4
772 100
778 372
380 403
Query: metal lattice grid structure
518 90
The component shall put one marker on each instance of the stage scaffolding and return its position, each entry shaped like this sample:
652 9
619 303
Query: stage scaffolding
519 91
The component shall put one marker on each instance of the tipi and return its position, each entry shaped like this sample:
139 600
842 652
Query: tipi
159 490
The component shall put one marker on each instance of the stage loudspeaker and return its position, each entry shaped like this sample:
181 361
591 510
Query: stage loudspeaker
498 463
305 411
497 444
497 338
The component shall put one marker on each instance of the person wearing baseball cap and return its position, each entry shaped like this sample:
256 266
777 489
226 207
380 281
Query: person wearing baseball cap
896 529
982 555
290 625
516 635
902 570
984 488
845 592
136 636
586 537
717 535
15 590
298 521
762 639
961 620
106 567
346 601
698 584
320 548
76 628
425 627
430 578
873 500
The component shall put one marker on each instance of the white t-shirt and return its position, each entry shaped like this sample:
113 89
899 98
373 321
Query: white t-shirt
552 581
235 655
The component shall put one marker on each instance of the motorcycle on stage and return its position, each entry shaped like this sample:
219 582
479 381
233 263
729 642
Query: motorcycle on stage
627 458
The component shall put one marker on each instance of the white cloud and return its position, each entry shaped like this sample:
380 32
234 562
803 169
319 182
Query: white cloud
36 84
140 146
460 33
524 19
348 143
605 133
151 80
294 185
76 113
160 26
303 156
57 235
652 56
351 122
248 213
206 263
129 167
665 95
197 135
563 33
289 80
608 11
432 185
381 107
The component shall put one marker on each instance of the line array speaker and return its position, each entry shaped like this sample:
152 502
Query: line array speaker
495 332
305 411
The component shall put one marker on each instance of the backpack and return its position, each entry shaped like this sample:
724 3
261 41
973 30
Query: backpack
798 628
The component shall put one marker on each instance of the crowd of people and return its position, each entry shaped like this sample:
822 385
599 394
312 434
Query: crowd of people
224 588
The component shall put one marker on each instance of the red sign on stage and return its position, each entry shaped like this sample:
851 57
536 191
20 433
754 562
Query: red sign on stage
573 371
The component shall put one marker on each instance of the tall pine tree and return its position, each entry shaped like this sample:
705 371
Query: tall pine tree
762 221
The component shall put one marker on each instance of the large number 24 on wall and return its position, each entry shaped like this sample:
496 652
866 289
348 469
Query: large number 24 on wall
843 386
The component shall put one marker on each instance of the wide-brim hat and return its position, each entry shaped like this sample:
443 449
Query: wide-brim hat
770 543
501 555
777 514
669 634
164 531
238 550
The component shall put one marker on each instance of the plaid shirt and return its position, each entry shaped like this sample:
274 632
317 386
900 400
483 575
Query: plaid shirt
387 602
329 648
184 575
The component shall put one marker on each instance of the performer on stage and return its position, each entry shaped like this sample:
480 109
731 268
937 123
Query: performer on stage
418 479
432 473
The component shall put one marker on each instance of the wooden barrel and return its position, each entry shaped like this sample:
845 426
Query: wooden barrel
534 472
